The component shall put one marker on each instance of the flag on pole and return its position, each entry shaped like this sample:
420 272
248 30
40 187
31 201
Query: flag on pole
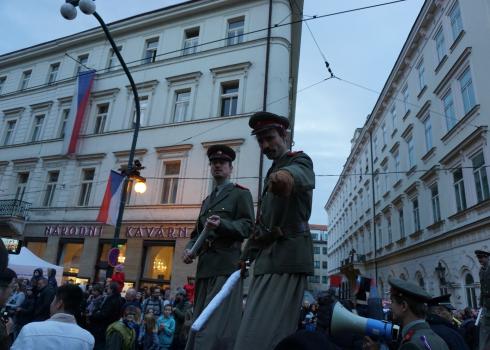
112 199
79 104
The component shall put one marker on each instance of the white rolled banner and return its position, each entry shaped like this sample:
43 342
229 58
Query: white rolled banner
225 291
199 242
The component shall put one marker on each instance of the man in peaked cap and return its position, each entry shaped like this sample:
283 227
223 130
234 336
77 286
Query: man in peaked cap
440 320
483 259
408 304
228 214
281 244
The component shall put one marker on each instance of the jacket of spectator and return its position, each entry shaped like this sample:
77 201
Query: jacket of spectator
43 300
108 312
25 312
166 328
59 332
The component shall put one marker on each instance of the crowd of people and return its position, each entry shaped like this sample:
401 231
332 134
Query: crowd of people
105 316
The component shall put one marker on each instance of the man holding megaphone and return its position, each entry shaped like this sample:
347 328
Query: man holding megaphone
409 307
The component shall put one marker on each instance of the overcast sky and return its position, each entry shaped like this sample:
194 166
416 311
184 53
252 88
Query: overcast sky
361 47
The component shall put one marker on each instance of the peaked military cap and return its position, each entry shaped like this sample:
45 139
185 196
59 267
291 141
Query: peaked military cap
221 152
262 121
443 300
403 288
481 253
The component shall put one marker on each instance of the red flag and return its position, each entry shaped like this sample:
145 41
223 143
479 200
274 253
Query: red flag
335 281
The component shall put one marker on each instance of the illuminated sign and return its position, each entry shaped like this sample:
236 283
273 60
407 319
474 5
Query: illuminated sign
154 232
73 231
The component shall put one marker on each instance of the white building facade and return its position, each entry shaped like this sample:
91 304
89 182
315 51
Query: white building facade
201 70
414 201
319 280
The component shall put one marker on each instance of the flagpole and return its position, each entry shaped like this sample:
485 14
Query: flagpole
68 11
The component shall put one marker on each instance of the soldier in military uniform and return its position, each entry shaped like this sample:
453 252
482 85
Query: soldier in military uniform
281 244
483 258
228 213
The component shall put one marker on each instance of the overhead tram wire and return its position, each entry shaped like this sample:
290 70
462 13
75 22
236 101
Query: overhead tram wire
277 25
327 64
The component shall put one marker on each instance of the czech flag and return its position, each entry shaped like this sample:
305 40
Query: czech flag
85 81
112 199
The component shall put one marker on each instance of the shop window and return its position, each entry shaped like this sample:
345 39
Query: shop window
158 261
37 248
70 258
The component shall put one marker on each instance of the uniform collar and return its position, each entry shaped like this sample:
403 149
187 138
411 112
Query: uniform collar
410 325
220 187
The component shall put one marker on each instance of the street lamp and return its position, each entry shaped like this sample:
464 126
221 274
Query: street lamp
68 10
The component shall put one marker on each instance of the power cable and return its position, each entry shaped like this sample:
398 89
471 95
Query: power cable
277 25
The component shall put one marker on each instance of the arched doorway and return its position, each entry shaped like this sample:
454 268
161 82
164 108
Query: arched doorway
470 289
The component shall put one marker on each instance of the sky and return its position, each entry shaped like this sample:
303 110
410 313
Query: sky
361 47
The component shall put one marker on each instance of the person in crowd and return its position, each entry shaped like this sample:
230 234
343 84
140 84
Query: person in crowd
182 312
228 215
44 298
17 298
409 305
468 329
483 259
154 302
166 328
119 277
61 330
37 274
305 308
131 298
139 297
121 334
281 245
190 288
107 313
440 320
25 311
148 336
52 278
7 276
95 299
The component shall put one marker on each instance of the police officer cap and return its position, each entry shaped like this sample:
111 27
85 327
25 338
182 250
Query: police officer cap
262 121
443 300
221 152
482 253
403 288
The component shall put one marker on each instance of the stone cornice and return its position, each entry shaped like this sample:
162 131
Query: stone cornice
13 111
184 77
230 143
42 105
173 149
232 68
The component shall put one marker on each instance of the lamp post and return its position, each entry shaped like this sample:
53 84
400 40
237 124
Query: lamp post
68 10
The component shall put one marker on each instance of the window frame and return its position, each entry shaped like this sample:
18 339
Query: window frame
232 96
455 21
50 190
53 73
100 119
84 196
150 58
428 132
467 90
3 80
174 182
193 40
177 105
421 73
113 58
37 127
448 108
440 42
435 202
480 178
8 136
459 191
237 37
82 62
25 79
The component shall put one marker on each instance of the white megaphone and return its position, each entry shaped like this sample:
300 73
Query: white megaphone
343 321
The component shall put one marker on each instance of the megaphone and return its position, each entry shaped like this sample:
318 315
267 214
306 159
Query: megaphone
343 321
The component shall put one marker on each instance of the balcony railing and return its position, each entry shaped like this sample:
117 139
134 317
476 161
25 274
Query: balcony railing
14 208
354 259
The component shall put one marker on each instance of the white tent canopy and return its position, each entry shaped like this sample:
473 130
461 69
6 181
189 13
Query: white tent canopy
26 262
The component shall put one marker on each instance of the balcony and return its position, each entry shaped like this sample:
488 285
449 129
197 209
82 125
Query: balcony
353 265
13 216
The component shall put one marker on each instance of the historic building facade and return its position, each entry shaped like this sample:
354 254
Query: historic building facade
319 280
201 70
414 200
